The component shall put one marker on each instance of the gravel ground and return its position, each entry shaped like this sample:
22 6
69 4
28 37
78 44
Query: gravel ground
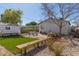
73 51
45 52
69 50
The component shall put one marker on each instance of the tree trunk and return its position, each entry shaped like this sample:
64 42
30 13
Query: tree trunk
60 30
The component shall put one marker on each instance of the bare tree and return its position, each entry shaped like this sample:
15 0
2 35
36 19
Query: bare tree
76 22
61 12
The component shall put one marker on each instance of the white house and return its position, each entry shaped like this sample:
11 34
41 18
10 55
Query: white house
49 25
8 29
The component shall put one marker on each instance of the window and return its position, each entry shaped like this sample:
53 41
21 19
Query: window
7 28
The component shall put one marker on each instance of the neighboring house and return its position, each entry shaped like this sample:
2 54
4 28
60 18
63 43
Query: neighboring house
9 29
49 25
75 31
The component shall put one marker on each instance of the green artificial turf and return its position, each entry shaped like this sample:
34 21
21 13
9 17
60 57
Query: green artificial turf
10 42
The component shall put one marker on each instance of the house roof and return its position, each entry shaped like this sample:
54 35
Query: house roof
1 23
52 20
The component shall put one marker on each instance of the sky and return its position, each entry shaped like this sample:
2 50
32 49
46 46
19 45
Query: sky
31 11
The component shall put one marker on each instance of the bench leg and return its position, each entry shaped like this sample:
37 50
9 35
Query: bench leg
25 51
37 45
21 52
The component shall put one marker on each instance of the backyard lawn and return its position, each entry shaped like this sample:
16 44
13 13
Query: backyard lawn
11 42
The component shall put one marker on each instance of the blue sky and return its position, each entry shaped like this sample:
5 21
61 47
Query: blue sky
31 11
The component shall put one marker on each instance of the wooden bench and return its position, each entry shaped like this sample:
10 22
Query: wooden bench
34 44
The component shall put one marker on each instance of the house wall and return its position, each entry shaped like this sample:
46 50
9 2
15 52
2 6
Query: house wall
66 29
13 29
50 26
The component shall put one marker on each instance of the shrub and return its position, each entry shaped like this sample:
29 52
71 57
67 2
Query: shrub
50 43
55 47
